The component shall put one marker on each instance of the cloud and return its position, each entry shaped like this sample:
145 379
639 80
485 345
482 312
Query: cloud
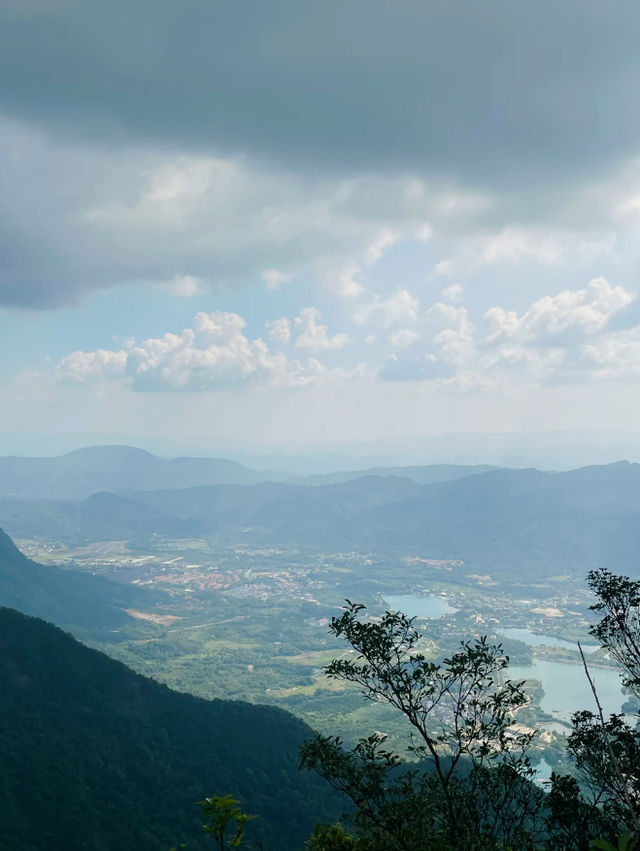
403 338
453 340
279 330
215 354
452 294
564 317
80 366
313 336
76 217
341 275
287 84
274 279
185 286
569 239
567 338
342 279
400 307
614 358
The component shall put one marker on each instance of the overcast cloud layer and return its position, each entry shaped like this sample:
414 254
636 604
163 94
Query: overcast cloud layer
516 90
320 199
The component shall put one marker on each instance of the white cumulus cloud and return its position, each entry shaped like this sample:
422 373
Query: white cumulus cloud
314 336
563 317
453 294
214 354
400 308
279 330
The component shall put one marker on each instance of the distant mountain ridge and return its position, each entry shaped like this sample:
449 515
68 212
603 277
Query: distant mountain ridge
94 756
116 469
498 520
80 473
495 519
422 475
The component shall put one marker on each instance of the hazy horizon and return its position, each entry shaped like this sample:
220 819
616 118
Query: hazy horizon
546 451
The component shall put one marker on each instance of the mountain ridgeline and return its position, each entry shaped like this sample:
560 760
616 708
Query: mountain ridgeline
96 757
82 472
497 518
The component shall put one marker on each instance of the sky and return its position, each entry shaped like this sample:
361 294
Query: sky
263 227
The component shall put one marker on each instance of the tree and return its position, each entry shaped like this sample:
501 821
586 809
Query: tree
470 784
222 811
606 751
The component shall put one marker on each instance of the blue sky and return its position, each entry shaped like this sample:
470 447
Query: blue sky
300 224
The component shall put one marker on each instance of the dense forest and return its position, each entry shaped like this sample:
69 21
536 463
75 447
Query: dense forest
94 756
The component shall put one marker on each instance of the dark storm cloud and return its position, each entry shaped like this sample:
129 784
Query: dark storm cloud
494 90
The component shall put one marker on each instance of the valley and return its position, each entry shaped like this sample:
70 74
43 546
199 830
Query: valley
250 622
226 591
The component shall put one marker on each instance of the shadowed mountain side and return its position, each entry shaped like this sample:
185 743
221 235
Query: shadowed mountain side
90 605
102 516
508 518
78 474
501 519
94 756
278 507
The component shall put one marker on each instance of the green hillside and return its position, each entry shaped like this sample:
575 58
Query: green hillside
96 757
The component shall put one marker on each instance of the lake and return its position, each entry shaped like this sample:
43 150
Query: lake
430 606
534 639
565 685
567 690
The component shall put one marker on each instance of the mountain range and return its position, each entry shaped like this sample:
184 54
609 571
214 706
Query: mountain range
114 469
495 519
80 473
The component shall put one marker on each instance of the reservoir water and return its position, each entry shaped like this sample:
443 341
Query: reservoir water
534 639
566 689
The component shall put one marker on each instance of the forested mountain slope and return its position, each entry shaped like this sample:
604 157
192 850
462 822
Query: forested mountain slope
96 757
69 599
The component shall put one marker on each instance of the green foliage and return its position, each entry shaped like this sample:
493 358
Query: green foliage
66 597
471 787
626 842
619 628
571 820
333 838
115 760
606 751
222 810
